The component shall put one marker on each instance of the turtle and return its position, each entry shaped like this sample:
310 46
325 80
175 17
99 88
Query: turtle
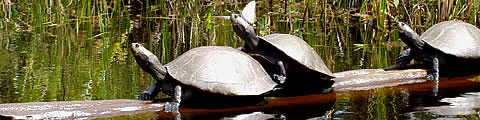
204 74
282 54
449 44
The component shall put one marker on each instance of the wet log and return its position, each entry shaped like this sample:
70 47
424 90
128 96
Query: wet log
349 80
356 72
123 107
76 109
366 79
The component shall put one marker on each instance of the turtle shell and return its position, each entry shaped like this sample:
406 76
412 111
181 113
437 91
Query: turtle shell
298 50
455 38
220 69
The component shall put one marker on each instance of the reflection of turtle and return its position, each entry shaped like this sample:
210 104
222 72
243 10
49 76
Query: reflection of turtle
453 42
282 54
204 72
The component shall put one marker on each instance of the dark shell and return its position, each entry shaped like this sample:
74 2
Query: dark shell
455 38
298 50
220 69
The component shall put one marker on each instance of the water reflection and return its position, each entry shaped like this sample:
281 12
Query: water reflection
300 107
256 116
458 97
414 101
70 56
63 68
465 104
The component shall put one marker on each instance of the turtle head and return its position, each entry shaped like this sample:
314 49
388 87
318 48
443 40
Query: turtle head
148 61
239 24
405 28
242 24
410 37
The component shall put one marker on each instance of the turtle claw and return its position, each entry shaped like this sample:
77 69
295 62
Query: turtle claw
433 77
279 78
171 107
145 96
404 58
402 61
430 77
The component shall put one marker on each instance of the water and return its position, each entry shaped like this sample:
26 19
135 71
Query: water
65 52
456 99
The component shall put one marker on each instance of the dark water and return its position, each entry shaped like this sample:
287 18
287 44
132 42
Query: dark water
67 55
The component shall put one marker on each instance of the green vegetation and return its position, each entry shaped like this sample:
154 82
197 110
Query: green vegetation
88 37
61 50
182 25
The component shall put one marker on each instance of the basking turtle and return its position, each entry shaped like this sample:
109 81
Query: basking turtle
282 54
448 43
204 73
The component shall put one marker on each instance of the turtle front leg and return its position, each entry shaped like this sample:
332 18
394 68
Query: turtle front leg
404 58
150 92
177 98
178 95
435 70
435 74
282 73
